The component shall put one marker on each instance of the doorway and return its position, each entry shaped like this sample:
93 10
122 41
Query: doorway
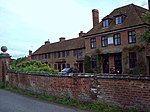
118 62
106 64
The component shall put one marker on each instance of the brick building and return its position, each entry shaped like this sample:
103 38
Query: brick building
115 38
65 53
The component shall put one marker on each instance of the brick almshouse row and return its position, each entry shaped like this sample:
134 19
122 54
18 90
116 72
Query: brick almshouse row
114 39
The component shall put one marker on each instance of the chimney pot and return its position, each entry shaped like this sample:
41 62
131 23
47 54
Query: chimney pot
81 34
47 42
95 14
30 52
61 39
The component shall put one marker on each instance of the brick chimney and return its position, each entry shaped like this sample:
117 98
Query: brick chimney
61 39
81 34
47 42
95 14
149 5
30 52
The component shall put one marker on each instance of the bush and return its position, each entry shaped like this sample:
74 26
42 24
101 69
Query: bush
34 66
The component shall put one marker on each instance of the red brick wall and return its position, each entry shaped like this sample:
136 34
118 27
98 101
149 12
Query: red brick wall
54 85
124 91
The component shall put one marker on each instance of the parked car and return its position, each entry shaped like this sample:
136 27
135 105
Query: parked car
68 70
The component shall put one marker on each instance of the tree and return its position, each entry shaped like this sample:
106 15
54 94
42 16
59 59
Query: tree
146 35
87 64
15 62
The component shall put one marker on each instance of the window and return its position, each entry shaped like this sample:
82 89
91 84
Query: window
104 41
93 60
117 39
48 55
58 54
110 40
93 43
42 56
54 55
75 53
80 52
132 59
67 53
118 20
131 37
45 56
105 23
55 66
63 54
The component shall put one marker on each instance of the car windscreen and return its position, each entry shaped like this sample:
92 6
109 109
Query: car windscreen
65 69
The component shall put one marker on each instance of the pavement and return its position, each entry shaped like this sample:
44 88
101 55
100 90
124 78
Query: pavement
12 102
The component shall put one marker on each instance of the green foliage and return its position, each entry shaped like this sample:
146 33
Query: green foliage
140 68
147 17
99 60
15 62
146 35
134 48
35 66
87 65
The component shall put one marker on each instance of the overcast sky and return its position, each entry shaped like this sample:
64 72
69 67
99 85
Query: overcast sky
26 24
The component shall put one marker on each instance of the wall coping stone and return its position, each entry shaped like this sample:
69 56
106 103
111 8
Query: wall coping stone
85 75
124 76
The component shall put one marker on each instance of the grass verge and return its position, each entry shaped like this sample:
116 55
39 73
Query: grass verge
90 106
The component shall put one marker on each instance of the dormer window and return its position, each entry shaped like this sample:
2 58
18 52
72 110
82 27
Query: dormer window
105 23
118 19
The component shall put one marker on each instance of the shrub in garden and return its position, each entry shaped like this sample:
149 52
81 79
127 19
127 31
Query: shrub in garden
35 66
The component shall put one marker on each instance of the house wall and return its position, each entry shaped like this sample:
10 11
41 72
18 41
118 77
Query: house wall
71 59
112 49
120 90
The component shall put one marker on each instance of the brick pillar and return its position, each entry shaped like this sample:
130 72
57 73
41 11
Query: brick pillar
4 65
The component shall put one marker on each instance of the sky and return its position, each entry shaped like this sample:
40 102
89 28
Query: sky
26 24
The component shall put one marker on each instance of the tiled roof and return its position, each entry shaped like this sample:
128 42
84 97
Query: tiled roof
71 44
133 16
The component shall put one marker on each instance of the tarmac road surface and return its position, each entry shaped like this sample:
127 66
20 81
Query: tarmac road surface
11 102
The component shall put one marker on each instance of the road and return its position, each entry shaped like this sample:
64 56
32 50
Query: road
11 102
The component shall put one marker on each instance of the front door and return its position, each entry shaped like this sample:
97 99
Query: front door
106 64
59 67
118 62
81 67
63 66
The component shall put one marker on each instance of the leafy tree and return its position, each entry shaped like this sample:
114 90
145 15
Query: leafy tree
146 35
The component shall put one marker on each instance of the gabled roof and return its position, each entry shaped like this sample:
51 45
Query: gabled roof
76 43
133 16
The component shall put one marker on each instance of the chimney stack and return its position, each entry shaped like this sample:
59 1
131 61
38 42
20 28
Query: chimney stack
95 14
81 34
47 42
30 52
61 39
149 5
